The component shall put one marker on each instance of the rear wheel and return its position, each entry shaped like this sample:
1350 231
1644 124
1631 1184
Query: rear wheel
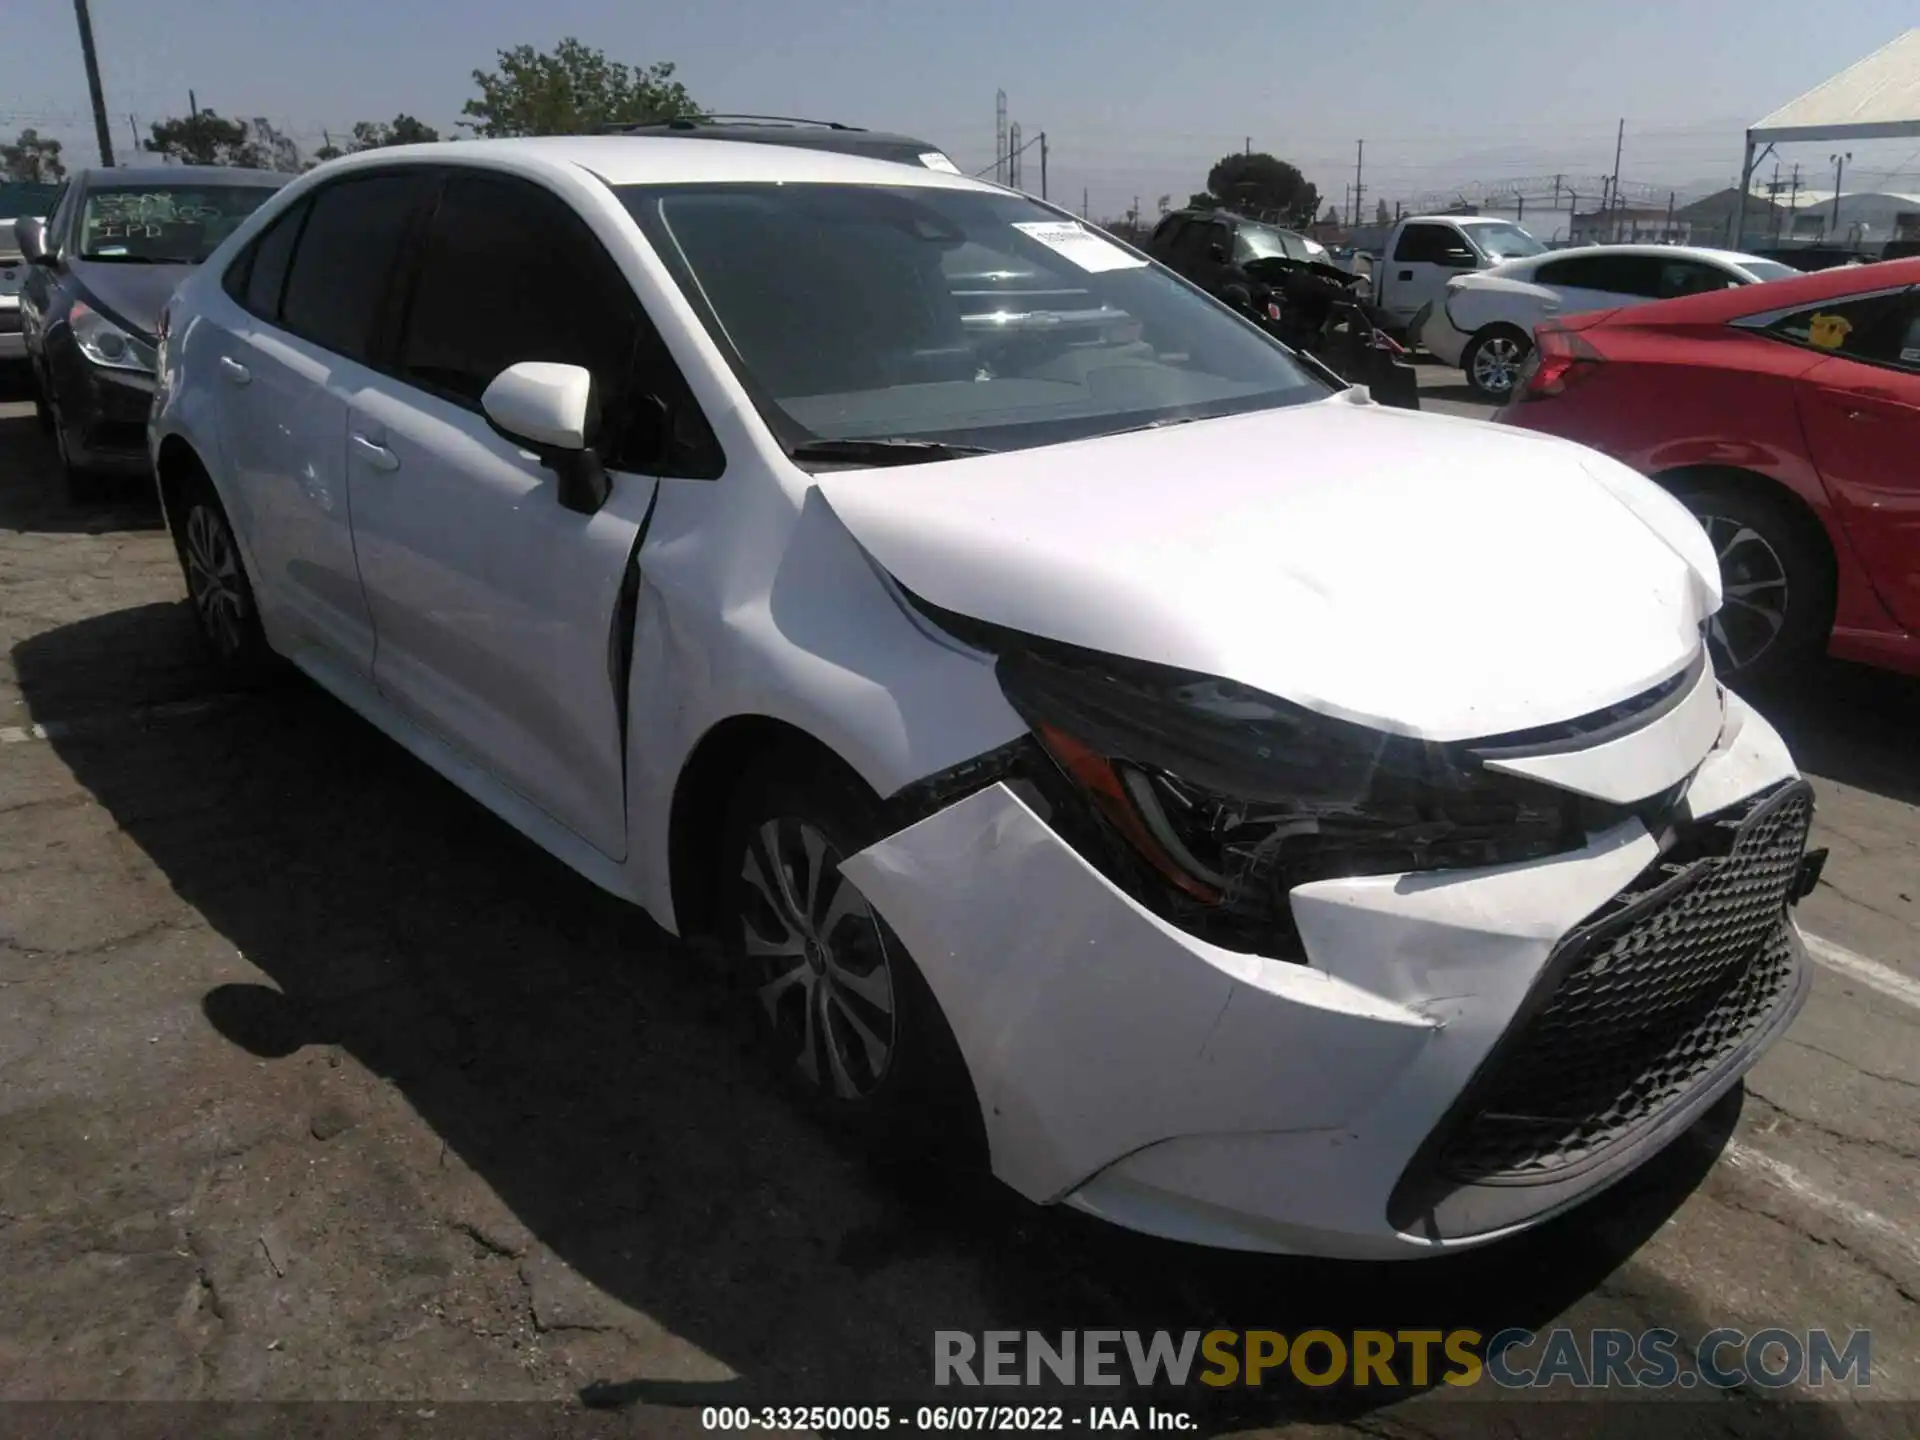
844 1011
1776 581
1493 360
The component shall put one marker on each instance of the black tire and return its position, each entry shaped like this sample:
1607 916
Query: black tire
80 485
218 590
919 1101
1504 349
42 412
1773 566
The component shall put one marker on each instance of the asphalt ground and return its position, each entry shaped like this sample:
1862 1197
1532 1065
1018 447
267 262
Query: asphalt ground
318 1084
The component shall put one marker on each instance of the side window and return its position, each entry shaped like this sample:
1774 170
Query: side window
59 216
1426 243
1163 232
1574 273
509 273
1690 277
345 256
1191 242
259 273
1874 328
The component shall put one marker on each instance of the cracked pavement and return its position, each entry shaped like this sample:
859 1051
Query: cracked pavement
318 1083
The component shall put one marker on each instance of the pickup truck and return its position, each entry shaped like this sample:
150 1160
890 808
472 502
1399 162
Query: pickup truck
1418 255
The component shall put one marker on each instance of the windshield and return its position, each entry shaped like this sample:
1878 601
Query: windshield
164 224
1263 242
1769 270
970 318
1505 242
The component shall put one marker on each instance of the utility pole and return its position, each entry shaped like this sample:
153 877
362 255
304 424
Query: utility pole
1249 149
133 128
1014 147
1668 236
1793 203
1359 190
193 105
1000 137
92 59
1619 143
1043 164
1839 168
1083 202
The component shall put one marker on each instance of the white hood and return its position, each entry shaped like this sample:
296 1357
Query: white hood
1417 573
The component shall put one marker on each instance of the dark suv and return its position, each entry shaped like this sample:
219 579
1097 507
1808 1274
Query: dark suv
807 134
1212 247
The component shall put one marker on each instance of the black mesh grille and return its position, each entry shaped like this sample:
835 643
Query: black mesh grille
1651 995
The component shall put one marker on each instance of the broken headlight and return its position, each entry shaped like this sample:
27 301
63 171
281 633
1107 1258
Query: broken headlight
1224 799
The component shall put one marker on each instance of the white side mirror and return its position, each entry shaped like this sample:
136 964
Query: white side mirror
548 406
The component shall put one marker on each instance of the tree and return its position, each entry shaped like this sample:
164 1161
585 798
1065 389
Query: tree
404 130
267 149
1163 204
573 90
33 158
1332 217
202 139
1259 181
1381 215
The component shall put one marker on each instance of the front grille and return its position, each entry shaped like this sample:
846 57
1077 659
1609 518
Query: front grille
1641 1004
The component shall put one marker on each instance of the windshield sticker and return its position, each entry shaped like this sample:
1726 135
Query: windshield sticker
934 160
1910 354
1828 332
1075 242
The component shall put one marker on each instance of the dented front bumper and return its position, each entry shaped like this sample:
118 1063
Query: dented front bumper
1172 1086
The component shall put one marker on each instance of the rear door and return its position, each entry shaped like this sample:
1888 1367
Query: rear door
1426 255
498 611
1860 411
308 299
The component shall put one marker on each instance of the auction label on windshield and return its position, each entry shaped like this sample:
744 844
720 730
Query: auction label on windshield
1089 251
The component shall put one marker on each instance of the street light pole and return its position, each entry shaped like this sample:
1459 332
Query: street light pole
100 130
1839 168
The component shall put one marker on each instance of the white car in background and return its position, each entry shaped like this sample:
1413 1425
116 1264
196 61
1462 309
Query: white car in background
1116 750
1484 321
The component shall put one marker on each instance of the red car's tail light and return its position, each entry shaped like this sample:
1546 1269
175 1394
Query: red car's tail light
1560 358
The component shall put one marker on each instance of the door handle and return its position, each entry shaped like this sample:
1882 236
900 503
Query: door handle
1406 274
376 455
235 371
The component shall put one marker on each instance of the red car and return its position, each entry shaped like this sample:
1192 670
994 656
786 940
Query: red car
1786 416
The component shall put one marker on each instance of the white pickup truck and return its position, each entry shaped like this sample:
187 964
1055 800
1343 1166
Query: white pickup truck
1415 258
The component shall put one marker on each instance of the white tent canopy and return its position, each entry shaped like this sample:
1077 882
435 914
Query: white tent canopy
1876 98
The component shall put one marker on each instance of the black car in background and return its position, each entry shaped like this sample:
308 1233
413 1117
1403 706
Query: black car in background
829 135
1213 247
100 268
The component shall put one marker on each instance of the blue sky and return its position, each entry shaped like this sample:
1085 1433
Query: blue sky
1136 99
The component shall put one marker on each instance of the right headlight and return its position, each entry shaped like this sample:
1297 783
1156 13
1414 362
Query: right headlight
107 344
1230 798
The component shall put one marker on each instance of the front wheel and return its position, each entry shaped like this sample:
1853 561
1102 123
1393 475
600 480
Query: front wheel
217 585
1493 361
844 1011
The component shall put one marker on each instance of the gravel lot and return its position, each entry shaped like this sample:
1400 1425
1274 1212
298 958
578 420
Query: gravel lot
318 1083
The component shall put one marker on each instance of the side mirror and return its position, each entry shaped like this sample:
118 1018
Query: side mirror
553 411
30 235
1460 260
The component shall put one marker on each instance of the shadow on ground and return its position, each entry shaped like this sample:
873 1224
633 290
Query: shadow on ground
600 1082
1851 724
32 498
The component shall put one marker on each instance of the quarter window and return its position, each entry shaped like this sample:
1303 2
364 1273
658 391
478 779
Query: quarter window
1879 329
338 282
256 279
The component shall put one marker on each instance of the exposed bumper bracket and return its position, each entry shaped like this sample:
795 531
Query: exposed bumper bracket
1811 866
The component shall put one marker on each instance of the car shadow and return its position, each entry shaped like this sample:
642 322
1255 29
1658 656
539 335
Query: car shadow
1850 723
33 500
603 1085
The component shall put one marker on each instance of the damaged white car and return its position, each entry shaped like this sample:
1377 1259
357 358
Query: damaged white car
1109 739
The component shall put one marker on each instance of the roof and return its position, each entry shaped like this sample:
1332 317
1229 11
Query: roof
1662 252
781 130
662 160
1778 295
1874 98
180 175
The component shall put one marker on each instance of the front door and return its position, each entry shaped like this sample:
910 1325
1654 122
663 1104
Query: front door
1424 258
495 608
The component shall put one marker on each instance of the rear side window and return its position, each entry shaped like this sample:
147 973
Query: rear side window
1691 277
256 279
346 254
1879 329
1637 275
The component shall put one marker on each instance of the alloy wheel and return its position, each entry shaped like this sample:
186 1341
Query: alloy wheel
214 580
1754 590
1496 364
824 976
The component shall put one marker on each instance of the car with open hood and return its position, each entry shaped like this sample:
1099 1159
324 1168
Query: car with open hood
1121 753
99 268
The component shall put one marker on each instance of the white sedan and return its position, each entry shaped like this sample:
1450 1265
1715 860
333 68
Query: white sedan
1484 322
1112 749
